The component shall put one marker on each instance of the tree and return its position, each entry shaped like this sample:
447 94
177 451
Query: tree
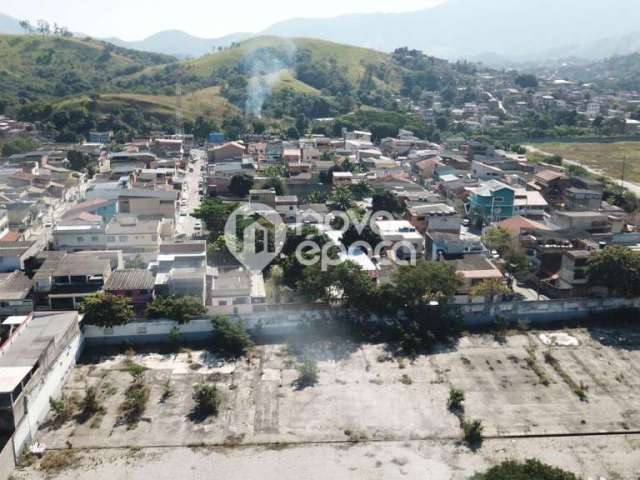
214 213
527 80
78 161
490 288
106 310
26 26
426 281
617 268
240 185
229 338
498 239
179 309
360 190
343 198
529 470
207 399
386 202
275 183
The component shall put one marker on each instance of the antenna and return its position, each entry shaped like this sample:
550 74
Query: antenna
179 112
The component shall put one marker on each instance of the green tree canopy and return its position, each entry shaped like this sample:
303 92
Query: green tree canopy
616 268
106 310
240 185
529 470
386 202
229 338
180 309
214 213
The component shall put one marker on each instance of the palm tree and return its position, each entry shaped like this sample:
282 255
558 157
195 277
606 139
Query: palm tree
343 198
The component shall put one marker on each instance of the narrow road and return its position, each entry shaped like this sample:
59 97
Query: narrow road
632 187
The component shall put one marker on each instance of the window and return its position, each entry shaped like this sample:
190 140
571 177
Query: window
498 199
123 238
94 238
111 239
80 239
125 207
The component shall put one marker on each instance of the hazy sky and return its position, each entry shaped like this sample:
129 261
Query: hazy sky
136 19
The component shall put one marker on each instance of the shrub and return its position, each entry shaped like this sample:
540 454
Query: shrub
180 309
207 399
472 430
530 469
136 397
136 370
62 409
229 338
307 374
455 404
90 405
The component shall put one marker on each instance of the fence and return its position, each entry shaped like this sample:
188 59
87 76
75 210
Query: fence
277 321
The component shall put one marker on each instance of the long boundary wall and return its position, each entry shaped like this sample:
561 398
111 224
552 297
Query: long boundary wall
283 321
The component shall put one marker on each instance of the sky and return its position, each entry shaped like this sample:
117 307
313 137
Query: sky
137 19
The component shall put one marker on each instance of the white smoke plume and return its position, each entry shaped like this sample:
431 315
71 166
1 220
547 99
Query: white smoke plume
265 68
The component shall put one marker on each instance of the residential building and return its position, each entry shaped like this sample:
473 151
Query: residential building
77 235
402 240
530 203
35 361
64 279
134 235
592 222
15 294
231 151
474 269
149 203
181 269
237 291
13 255
573 270
492 201
582 199
287 207
136 285
435 216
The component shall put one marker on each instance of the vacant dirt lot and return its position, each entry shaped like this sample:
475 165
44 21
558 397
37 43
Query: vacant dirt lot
369 416
607 158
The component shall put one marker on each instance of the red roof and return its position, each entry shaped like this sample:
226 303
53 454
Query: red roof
11 236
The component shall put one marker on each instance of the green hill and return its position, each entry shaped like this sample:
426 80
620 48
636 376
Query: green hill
72 85
36 67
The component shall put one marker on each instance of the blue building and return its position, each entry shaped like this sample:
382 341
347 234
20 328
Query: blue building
493 201
216 138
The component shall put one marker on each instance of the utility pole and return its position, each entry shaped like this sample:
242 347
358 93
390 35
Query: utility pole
624 168
179 112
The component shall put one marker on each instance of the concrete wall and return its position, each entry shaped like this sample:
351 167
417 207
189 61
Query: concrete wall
38 399
7 460
286 321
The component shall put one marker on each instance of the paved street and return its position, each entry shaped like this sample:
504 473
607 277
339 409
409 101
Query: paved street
186 222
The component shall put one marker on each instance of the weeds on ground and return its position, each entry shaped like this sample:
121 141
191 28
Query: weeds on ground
580 389
532 363
472 433
90 405
406 380
56 461
208 400
307 374
455 403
